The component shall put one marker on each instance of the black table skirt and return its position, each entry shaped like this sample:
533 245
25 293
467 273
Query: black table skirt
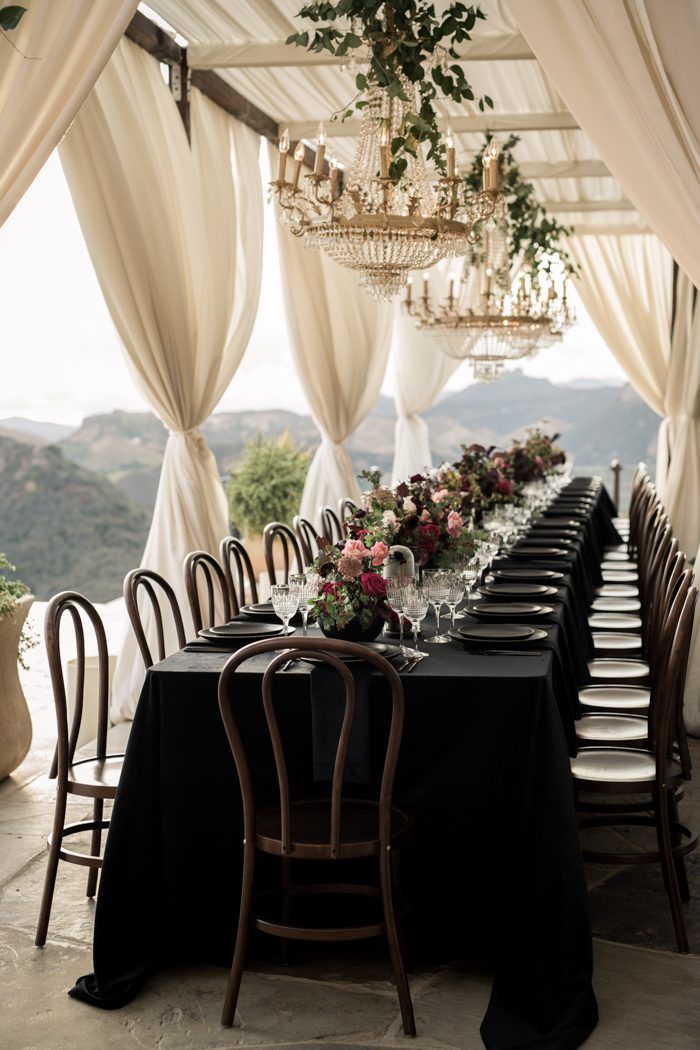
492 871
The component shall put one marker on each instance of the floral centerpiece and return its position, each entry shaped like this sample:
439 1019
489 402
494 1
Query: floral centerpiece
422 514
351 603
483 478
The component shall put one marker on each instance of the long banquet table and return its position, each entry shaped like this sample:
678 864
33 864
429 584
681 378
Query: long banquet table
493 869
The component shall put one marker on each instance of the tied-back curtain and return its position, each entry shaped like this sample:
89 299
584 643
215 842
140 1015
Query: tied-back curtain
175 234
627 70
48 65
626 286
420 372
340 343
678 458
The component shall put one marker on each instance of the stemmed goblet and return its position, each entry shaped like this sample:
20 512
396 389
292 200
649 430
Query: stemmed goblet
415 609
285 602
306 587
437 586
396 590
454 595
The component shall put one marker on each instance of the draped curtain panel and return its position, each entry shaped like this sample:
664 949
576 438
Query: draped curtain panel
627 70
175 235
420 372
626 285
340 342
48 66
678 458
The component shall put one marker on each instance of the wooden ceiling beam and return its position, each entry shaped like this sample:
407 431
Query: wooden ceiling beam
566 207
566 169
482 122
252 55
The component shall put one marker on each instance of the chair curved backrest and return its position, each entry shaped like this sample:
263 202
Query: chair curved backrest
678 630
327 651
307 537
201 564
238 570
276 532
156 588
72 603
331 527
346 509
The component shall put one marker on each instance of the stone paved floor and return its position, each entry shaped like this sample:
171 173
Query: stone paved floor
342 998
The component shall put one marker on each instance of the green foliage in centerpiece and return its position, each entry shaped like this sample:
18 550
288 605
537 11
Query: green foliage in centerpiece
400 40
353 589
267 484
10 593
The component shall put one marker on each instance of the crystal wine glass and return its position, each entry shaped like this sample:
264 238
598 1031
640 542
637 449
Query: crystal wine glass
396 589
285 602
437 586
454 596
306 588
415 609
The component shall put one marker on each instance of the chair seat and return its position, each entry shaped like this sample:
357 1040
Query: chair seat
614 697
619 564
616 669
310 822
618 553
616 640
618 766
617 576
618 590
612 621
94 777
616 605
610 728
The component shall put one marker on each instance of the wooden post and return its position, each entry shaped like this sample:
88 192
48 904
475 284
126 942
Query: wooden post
616 469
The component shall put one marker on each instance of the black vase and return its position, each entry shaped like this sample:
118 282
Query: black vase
354 632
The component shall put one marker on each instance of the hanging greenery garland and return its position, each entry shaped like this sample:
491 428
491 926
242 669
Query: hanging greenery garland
533 235
400 40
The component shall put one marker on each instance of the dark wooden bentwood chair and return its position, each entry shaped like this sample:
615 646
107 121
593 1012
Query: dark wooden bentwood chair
155 587
200 565
331 526
652 771
276 532
334 828
307 536
235 559
346 509
94 778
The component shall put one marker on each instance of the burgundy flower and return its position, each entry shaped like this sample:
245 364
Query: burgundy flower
373 584
504 487
415 479
402 489
430 537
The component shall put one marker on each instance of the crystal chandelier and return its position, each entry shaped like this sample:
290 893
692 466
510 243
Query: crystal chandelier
380 226
487 320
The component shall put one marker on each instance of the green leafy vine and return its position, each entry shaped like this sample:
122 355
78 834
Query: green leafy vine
400 40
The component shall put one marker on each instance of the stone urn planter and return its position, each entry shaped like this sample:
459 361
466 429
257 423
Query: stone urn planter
15 722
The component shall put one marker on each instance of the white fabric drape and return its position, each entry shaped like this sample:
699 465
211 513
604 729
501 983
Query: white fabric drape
420 372
678 457
48 65
627 70
176 240
626 285
340 342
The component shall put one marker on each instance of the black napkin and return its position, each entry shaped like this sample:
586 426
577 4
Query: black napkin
327 711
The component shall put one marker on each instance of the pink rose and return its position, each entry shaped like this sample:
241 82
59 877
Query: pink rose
379 552
373 584
539 461
425 516
355 549
455 525
441 495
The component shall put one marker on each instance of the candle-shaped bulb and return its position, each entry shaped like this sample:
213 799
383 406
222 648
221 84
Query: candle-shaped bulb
321 135
299 152
298 161
449 137
333 165
426 285
384 152
409 289
384 136
284 141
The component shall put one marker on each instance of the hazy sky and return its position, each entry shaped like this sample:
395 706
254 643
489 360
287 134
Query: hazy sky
62 358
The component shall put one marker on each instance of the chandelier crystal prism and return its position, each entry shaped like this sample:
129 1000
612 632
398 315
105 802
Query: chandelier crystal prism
381 226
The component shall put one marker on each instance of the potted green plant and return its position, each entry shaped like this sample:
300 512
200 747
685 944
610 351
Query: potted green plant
15 722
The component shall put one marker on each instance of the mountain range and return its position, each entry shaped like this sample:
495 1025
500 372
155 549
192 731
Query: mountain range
75 503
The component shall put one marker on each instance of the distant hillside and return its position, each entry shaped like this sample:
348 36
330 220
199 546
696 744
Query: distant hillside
597 423
63 526
40 429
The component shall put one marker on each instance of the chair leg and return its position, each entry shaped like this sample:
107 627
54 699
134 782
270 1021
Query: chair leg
682 742
95 844
663 834
234 980
676 839
285 943
51 867
397 962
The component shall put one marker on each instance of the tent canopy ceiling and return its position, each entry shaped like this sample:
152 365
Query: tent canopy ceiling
244 43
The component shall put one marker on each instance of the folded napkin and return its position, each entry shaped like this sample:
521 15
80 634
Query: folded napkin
327 711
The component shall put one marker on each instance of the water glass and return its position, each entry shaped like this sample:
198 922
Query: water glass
437 586
306 587
397 588
285 602
454 596
415 609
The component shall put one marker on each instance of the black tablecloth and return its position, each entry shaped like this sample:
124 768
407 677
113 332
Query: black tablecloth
493 869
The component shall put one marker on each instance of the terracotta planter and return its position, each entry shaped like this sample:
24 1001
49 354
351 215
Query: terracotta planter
15 723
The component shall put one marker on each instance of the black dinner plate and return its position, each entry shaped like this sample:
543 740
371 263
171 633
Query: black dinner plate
538 541
255 634
538 552
496 632
566 523
505 610
517 590
538 635
264 612
527 574
386 649
243 629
